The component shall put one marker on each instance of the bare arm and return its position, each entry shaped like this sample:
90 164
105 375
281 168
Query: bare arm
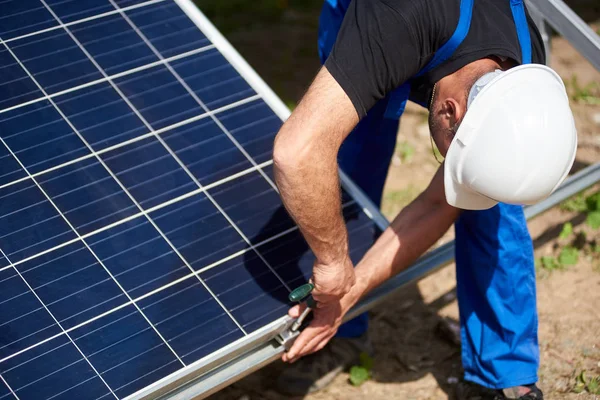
413 231
305 163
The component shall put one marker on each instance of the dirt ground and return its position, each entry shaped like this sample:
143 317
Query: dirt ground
412 362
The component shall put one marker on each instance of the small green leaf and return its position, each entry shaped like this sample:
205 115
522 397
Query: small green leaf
593 202
593 220
579 387
567 230
568 256
593 386
358 375
574 204
549 262
366 361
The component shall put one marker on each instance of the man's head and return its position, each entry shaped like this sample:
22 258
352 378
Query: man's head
449 101
507 136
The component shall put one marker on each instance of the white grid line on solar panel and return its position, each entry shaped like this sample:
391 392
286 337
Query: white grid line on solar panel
140 138
63 216
149 210
60 326
9 388
171 284
113 77
79 21
169 150
191 92
223 128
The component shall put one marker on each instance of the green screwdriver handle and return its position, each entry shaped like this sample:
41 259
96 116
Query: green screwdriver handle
303 293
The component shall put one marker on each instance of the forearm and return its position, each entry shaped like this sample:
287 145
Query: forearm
310 191
418 227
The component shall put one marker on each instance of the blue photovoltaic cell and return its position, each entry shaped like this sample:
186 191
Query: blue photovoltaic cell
10 170
5 393
127 3
101 116
189 318
3 261
213 79
20 17
251 202
55 369
72 10
116 52
40 137
254 126
167 27
206 151
29 224
15 85
72 284
87 195
250 291
138 257
150 174
159 97
44 57
167 272
23 319
290 257
198 231
126 351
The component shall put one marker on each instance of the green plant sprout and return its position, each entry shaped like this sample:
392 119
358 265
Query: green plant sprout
359 374
583 383
567 231
574 204
568 256
589 94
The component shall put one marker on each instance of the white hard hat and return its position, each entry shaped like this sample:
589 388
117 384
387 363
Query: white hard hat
516 143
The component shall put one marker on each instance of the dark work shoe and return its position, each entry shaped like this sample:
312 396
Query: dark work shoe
472 391
316 371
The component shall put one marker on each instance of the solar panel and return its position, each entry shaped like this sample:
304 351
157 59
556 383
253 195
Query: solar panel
141 233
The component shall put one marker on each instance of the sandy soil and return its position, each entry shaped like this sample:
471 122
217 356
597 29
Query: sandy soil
412 362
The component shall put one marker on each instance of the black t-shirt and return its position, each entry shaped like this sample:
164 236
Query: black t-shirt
384 43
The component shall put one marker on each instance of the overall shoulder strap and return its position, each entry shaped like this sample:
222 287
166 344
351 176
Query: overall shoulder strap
399 97
459 35
518 11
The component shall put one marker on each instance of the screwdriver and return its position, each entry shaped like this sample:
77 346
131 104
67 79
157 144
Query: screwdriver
299 294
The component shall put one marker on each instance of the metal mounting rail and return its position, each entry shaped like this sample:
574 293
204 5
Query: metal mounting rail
570 26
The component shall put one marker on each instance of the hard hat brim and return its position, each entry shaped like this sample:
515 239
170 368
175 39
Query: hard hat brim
458 197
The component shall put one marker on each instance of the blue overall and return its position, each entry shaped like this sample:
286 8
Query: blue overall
494 253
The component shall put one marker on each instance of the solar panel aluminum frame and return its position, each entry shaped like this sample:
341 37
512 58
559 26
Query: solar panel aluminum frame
261 343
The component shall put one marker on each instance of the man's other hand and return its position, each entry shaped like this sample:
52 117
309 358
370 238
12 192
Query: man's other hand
332 281
326 321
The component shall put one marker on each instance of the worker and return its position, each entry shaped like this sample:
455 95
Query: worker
501 119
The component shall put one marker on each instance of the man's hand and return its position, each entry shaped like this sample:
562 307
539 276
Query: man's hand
332 282
326 321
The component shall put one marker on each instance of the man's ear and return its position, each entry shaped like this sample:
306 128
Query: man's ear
452 112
